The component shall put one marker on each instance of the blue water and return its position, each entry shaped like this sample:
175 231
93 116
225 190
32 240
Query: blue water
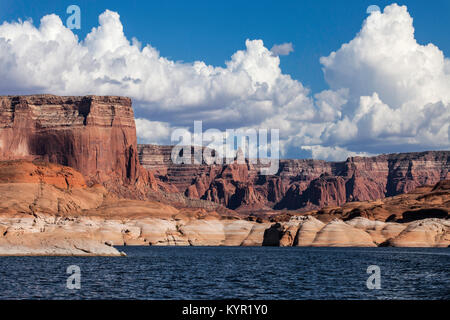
233 272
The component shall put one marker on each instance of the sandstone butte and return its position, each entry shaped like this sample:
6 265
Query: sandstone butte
73 181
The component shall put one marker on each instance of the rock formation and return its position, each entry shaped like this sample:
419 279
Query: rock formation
95 135
358 232
299 184
416 219
422 203
49 209
73 181
423 233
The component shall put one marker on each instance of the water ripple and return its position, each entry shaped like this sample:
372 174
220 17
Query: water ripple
233 273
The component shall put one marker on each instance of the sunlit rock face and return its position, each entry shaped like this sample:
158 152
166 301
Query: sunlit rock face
95 135
299 184
49 209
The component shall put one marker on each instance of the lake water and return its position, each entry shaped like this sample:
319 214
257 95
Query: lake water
233 273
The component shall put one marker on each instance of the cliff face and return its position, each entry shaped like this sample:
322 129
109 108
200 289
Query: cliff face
48 209
95 135
299 184
419 218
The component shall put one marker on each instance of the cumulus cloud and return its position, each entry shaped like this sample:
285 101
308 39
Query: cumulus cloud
399 90
386 58
50 58
332 153
282 49
387 92
153 132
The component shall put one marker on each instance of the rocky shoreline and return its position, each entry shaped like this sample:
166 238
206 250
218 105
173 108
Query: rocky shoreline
48 209
74 181
85 236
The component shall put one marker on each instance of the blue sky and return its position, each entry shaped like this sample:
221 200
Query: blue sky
355 83
212 31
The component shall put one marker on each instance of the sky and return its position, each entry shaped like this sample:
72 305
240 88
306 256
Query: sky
334 79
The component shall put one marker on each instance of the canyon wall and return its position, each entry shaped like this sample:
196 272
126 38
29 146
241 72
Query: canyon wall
299 184
48 209
95 135
73 181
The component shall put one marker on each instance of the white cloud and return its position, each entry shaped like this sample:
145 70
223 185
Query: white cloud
332 153
329 104
399 90
50 58
387 92
153 132
385 58
282 49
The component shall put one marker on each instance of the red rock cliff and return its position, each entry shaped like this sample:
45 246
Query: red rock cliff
95 135
300 183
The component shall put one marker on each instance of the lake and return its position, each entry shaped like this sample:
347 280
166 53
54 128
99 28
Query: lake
233 273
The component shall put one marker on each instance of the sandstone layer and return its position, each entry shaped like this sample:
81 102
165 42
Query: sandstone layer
305 231
48 209
299 184
73 181
95 135
416 219
421 203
